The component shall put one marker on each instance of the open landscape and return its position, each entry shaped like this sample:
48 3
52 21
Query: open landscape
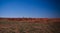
29 25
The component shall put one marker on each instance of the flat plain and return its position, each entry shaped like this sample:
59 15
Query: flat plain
29 25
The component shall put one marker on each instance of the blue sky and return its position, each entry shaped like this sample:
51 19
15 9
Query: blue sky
30 8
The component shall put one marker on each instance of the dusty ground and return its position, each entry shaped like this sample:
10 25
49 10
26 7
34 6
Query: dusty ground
43 26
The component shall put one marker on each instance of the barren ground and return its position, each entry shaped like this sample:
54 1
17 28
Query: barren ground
29 25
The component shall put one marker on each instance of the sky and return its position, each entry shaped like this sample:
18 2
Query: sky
30 8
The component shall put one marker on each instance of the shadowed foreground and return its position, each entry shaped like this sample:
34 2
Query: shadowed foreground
29 27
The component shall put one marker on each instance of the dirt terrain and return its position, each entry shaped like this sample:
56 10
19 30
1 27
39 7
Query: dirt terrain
29 25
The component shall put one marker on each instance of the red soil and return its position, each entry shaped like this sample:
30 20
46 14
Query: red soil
31 19
42 27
